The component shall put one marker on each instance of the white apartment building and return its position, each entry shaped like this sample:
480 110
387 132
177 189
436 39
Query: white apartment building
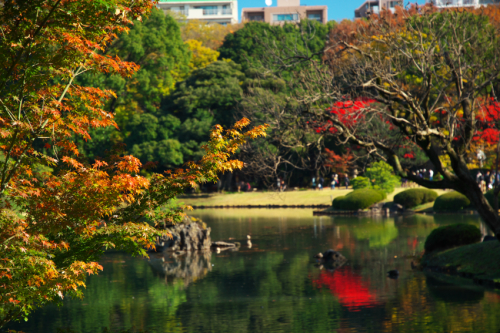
462 3
222 12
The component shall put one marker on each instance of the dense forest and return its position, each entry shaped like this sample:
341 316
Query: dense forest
185 86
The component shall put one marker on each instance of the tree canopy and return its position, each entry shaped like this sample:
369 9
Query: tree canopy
249 45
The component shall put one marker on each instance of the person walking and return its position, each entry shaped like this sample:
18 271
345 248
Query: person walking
278 184
321 183
431 174
346 179
334 182
314 183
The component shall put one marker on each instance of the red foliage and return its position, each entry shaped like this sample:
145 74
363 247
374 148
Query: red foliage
488 118
339 163
348 112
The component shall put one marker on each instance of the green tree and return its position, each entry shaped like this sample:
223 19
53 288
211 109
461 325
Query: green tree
209 96
156 45
249 45
381 176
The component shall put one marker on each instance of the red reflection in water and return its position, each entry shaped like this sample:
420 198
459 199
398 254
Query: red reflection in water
351 291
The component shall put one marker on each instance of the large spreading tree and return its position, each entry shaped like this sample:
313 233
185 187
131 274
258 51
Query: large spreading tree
423 79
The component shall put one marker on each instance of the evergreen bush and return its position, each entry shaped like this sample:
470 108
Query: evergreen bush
451 236
451 201
358 199
360 182
415 197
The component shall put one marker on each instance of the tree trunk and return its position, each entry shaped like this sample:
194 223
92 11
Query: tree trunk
472 191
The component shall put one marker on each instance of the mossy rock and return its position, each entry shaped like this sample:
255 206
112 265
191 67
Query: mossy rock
452 201
358 199
452 235
415 197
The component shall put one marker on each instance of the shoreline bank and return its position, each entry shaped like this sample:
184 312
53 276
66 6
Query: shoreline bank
287 199
479 262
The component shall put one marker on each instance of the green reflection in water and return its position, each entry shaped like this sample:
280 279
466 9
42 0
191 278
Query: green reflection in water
378 234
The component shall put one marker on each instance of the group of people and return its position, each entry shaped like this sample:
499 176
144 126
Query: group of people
335 181
243 186
421 173
487 181
280 183
425 174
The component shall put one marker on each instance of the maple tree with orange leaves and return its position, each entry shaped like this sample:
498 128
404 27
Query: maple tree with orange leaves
58 214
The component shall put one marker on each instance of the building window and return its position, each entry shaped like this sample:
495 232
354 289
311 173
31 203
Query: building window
285 17
208 10
226 10
315 17
393 4
256 17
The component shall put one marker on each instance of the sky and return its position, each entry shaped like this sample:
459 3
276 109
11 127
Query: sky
337 9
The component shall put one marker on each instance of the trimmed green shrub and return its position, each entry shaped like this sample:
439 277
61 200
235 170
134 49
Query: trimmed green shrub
382 193
358 199
415 197
359 183
451 201
452 235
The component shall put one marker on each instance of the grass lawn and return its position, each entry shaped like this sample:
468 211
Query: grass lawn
480 259
309 197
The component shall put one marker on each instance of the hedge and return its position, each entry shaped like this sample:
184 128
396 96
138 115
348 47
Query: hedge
452 235
415 197
358 199
451 201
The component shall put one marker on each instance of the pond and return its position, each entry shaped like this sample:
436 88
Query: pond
276 286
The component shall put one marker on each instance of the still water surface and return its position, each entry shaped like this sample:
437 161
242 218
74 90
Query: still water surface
275 286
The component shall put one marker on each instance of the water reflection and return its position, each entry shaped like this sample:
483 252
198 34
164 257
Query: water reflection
187 267
349 287
453 293
276 287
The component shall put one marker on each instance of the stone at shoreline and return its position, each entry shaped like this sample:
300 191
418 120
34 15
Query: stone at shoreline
223 244
190 235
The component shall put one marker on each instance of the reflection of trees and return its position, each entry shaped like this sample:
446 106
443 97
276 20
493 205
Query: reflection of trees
187 267
378 234
423 307
349 287
264 292
126 294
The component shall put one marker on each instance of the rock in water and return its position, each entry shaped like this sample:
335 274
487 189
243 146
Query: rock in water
393 274
223 244
333 255
189 235
331 259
